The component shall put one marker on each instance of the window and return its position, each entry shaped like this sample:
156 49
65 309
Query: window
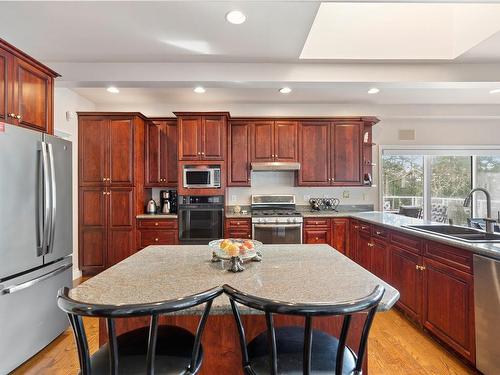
437 180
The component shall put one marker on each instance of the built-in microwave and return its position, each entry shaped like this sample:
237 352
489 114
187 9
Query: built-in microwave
201 176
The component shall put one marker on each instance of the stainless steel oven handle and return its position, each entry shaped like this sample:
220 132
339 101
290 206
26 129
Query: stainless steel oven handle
27 284
277 225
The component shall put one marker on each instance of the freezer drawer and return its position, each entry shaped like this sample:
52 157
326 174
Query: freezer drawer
30 318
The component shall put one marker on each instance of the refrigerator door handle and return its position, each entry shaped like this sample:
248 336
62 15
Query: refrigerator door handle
46 200
27 284
53 194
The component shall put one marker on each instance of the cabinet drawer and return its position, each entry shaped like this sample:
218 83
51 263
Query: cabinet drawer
449 255
379 232
408 242
365 227
316 222
157 237
238 224
234 233
161 223
317 236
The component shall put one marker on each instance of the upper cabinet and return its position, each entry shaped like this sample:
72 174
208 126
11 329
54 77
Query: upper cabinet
27 90
238 170
161 153
202 136
274 141
331 153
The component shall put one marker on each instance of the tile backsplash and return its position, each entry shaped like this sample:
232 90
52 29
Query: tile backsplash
283 182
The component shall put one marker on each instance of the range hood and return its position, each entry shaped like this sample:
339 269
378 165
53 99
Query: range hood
275 166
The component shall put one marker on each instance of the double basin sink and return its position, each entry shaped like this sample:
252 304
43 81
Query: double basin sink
465 234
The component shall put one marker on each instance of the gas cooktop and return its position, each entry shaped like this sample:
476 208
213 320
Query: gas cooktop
273 212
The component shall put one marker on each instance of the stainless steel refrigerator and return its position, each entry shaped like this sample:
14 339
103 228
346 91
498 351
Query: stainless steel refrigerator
36 241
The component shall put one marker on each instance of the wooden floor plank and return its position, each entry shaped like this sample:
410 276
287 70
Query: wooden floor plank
395 347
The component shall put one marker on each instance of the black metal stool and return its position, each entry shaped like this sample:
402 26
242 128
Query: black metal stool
149 350
298 350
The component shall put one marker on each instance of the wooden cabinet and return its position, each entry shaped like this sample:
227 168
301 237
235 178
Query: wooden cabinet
364 253
274 141
238 171
202 136
328 231
161 153
330 153
111 173
380 258
314 151
106 151
340 232
27 90
238 228
157 232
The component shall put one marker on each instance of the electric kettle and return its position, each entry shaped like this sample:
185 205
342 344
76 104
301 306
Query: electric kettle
151 207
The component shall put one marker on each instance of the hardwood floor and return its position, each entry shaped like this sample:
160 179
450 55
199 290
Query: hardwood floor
395 347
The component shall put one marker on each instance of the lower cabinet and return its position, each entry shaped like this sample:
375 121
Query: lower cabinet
157 232
364 252
380 258
238 228
328 231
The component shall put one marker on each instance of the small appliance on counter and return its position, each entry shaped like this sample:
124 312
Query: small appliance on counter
168 201
151 207
324 204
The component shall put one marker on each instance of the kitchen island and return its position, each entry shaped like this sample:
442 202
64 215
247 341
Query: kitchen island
294 273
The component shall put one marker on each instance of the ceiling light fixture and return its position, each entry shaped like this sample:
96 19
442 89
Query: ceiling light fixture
373 90
235 17
113 90
199 90
285 90
495 91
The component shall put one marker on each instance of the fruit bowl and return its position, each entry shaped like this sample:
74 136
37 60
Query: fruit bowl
227 248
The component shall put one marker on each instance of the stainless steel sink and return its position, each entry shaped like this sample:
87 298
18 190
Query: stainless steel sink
457 233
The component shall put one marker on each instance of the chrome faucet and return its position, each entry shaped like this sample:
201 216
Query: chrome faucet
488 220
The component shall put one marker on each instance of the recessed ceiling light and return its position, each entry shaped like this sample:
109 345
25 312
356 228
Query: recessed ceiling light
113 90
373 90
285 90
199 90
235 17
495 91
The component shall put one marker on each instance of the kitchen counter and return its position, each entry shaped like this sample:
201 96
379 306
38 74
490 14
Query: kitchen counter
295 273
397 222
232 215
157 216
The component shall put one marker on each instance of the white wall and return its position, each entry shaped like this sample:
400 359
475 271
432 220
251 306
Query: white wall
67 100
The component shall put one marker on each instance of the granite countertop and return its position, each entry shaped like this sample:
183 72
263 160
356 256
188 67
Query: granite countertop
232 215
157 216
293 273
397 222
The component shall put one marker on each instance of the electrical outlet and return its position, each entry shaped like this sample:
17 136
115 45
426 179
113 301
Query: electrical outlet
233 198
345 194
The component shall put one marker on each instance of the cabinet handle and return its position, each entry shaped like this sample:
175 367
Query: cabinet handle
156 240
109 193
203 153
370 244
356 227
249 236
378 233
317 238
103 193
156 224
18 117
13 115
420 268
237 223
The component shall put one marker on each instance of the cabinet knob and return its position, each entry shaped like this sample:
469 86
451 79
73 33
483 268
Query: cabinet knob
317 238
237 223
156 239
378 233
249 236
109 193
156 224
13 115
203 153
18 117
103 193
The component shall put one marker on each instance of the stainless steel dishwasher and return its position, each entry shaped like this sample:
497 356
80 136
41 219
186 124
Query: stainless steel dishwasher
487 308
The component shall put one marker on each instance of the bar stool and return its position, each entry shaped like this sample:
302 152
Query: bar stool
148 350
295 350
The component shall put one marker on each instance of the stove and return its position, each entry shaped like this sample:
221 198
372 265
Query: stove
275 219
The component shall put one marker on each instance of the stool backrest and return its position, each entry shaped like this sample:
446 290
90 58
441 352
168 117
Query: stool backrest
367 304
76 310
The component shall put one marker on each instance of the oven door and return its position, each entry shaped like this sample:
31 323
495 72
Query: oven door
200 225
277 233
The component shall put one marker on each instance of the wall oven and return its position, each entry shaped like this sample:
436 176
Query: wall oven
201 176
201 219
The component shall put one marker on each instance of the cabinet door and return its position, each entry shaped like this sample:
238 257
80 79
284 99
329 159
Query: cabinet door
190 144
214 138
32 98
448 306
169 159
364 251
314 150
5 85
380 259
92 140
285 141
345 152
407 279
263 141
155 139
121 222
353 239
93 235
318 235
239 155
339 234
121 152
